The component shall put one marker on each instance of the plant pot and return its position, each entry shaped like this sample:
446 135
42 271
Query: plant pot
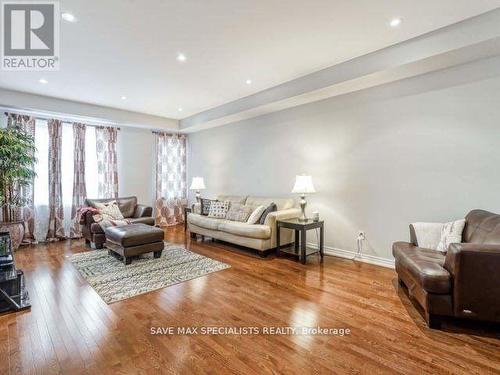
16 231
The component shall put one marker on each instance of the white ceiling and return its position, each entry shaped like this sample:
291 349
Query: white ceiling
129 47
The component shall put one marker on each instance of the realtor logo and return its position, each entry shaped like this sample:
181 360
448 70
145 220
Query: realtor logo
30 35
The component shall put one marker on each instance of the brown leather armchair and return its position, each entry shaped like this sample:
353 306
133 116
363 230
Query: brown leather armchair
136 213
464 282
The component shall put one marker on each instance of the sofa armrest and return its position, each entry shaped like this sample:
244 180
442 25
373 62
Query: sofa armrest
476 278
196 208
271 218
87 219
143 211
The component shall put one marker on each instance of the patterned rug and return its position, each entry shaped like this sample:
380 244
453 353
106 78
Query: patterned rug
114 281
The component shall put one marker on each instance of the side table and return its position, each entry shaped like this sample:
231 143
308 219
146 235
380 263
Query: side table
186 211
300 228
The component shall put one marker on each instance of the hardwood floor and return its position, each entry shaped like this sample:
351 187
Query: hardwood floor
71 330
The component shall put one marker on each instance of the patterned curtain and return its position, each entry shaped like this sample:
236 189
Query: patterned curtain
107 169
79 188
171 184
56 210
27 213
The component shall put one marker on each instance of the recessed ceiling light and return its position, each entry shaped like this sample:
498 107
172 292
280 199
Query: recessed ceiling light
181 57
395 22
179 109
68 17
43 80
124 97
248 81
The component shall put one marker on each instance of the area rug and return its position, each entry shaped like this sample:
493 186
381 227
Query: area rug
114 281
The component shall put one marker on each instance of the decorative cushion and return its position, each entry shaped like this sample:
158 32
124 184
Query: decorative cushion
205 206
218 210
239 212
256 214
271 208
438 236
451 233
125 204
428 234
109 210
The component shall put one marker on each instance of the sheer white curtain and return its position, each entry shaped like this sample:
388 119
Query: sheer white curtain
41 194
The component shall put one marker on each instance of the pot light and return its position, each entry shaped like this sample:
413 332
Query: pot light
124 97
68 17
395 22
248 81
43 81
181 57
179 109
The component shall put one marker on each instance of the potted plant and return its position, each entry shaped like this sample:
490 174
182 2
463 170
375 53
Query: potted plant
17 160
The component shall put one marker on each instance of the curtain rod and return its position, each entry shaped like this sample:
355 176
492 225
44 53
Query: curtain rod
61 118
165 132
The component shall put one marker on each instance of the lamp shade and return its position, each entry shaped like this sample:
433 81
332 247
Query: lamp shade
197 184
303 185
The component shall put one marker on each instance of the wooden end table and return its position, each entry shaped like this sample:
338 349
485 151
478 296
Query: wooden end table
300 228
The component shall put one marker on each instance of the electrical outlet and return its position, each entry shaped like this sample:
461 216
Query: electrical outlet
361 235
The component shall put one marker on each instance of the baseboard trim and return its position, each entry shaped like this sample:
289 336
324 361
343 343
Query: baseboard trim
365 258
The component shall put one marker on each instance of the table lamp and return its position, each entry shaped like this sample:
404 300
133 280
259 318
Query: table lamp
303 185
197 184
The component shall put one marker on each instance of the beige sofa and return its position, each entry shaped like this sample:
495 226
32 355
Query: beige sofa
255 236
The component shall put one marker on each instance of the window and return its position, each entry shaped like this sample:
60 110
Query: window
41 196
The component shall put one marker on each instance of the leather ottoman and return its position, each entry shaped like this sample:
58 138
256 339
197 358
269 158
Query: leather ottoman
134 239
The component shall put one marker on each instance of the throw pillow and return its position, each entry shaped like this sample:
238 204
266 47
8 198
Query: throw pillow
218 210
239 212
438 236
451 233
109 210
271 208
205 206
256 214
428 234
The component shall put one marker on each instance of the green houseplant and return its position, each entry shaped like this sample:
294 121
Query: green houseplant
17 160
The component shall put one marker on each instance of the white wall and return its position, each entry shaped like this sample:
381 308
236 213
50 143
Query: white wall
136 164
422 149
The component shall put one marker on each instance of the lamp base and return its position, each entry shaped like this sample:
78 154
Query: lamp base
303 204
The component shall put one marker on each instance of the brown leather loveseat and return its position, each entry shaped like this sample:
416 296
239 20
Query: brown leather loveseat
136 213
464 282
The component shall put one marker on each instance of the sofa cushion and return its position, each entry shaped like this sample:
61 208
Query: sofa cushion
205 206
451 233
425 266
271 208
256 214
219 210
246 230
281 203
126 204
109 210
143 220
240 199
239 212
204 221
